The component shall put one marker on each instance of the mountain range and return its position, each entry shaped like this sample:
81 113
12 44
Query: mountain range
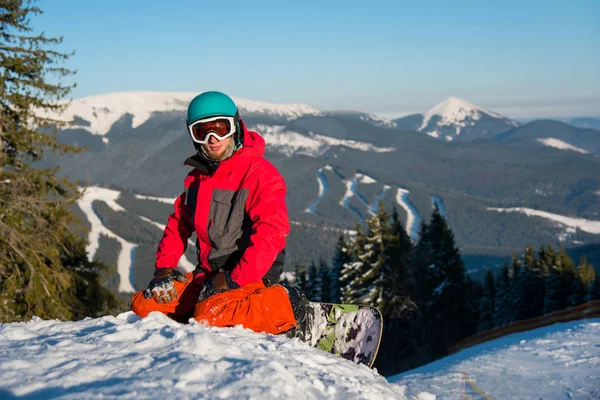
338 165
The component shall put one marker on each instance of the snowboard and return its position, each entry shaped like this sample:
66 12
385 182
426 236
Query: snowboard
348 330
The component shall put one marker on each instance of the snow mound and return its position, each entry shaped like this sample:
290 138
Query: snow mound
553 362
156 357
102 111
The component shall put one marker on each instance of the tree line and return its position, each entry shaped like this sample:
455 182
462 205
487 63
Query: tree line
428 301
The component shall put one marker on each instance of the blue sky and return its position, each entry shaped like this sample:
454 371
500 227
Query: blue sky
521 58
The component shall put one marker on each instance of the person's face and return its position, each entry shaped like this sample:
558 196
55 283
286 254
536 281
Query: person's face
215 148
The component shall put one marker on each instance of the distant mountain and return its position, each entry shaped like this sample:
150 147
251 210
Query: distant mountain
591 123
456 119
550 133
337 166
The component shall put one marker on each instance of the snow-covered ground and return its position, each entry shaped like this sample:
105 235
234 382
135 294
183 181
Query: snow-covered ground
441 206
323 189
281 140
126 357
561 145
585 225
561 361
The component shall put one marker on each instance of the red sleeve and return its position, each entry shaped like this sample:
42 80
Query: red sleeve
176 235
270 225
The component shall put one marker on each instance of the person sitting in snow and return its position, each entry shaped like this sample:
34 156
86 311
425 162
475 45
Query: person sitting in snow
234 200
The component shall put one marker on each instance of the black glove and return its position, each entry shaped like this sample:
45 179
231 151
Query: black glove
221 282
161 287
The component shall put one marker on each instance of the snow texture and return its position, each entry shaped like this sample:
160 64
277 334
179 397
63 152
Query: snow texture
125 259
378 121
127 357
560 361
456 112
561 145
167 200
585 225
289 143
323 188
103 111
413 219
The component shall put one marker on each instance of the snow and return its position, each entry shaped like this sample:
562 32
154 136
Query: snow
323 188
125 259
102 111
168 200
378 121
561 145
457 112
289 143
127 357
412 215
351 192
366 179
439 203
375 206
553 362
585 225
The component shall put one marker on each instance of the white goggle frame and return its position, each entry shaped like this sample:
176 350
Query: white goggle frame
202 121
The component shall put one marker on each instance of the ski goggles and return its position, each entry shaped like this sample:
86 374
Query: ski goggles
219 127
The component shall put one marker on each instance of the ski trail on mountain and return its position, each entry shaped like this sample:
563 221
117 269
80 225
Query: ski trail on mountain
323 189
125 258
438 202
350 193
413 220
375 206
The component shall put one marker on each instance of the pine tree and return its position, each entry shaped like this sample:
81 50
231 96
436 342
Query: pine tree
341 256
301 278
311 289
450 317
582 283
487 306
504 305
530 285
43 268
324 282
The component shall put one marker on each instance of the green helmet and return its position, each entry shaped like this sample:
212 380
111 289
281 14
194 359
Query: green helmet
211 104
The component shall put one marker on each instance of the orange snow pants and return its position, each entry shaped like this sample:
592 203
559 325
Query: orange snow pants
254 306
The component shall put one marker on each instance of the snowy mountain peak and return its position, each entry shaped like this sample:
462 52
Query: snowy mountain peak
454 110
453 116
102 111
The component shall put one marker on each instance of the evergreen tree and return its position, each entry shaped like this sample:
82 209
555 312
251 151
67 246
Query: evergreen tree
487 306
341 256
351 290
530 288
311 288
582 283
43 268
503 305
450 317
595 289
301 278
324 282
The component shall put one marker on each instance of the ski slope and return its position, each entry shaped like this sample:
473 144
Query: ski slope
126 357
560 361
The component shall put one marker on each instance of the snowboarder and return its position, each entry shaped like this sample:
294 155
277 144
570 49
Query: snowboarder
234 200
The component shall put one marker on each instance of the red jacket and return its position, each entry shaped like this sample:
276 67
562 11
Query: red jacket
239 216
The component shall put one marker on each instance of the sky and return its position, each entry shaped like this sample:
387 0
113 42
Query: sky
520 58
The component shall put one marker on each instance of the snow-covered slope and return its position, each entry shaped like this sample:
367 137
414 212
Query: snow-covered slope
156 358
453 117
102 111
560 361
